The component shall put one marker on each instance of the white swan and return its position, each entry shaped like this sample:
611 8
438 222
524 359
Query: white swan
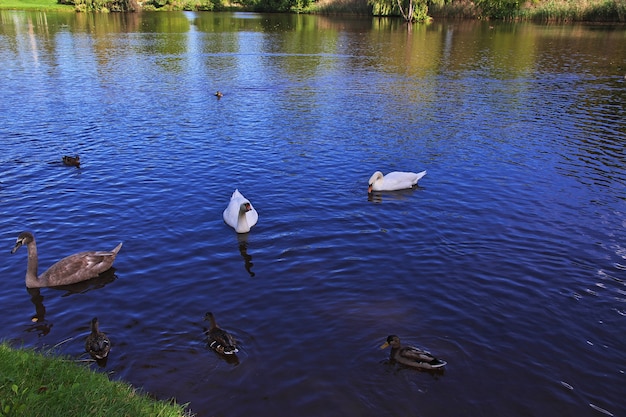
393 181
240 215
70 270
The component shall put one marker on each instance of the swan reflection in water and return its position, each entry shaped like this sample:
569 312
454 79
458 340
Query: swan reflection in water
243 249
39 323
398 195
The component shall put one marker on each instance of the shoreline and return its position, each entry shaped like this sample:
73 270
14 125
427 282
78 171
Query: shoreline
44 383
547 11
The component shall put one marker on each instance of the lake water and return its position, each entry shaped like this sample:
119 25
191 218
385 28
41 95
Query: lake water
508 261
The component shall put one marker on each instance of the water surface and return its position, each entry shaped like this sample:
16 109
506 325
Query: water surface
508 261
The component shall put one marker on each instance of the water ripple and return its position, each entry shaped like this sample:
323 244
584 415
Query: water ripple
508 259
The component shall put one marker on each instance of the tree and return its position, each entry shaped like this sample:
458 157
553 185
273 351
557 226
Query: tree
410 10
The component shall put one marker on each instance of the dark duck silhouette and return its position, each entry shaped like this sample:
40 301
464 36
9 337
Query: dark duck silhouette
70 270
411 356
97 343
72 161
219 339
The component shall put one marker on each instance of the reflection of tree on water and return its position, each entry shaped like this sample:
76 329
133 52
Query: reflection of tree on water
243 249
43 327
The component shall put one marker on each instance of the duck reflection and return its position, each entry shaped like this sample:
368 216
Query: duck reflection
229 359
243 249
39 323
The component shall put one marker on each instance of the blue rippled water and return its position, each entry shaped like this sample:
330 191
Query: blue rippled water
507 260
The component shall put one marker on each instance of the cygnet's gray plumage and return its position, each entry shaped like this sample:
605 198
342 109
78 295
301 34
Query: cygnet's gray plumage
70 270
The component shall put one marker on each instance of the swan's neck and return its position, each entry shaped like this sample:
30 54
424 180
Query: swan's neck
31 269
242 219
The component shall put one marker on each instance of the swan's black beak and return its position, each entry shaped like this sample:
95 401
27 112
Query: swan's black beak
17 246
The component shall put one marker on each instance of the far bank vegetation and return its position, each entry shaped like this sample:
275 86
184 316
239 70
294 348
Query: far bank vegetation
409 10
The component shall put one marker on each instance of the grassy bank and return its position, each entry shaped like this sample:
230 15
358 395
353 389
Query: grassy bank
537 10
34 384
51 5
534 10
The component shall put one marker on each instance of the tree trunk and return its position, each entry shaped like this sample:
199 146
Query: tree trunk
408 16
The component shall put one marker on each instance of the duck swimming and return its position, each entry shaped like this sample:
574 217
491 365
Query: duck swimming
72 161
240 214
411 356
219 94
70 270
97 343
393 181
220 340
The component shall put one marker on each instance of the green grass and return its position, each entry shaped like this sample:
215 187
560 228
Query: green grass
579 10
539 10
544 10
35 5
45 385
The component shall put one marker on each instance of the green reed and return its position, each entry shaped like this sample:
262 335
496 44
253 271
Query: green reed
536 10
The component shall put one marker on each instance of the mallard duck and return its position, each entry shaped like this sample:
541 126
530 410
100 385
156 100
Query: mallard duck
73 161
240 215
97 343
411 356
70 270
393 181
220 340
219 94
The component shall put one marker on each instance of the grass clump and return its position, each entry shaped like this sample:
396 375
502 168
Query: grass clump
579 10
535 10
356 7
34 384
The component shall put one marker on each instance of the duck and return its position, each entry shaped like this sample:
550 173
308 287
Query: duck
72 161
410 355
69 270
219 94
97 343
393 181
219 339
240 214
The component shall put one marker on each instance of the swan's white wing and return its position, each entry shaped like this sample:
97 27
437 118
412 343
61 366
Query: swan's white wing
398 180
252 216
231 213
